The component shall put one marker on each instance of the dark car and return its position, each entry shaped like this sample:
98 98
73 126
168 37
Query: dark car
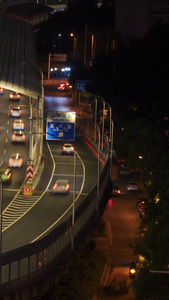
61 186
5 174
115 190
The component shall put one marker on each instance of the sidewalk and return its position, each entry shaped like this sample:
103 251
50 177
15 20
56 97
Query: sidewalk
114 284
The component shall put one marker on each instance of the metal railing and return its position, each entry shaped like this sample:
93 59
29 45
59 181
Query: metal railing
27 264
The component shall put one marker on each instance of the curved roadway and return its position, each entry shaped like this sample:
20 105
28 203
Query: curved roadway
28 218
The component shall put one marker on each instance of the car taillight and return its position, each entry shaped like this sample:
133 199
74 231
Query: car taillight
18 96
11 160
64 147
20 111
11 111
14 136
72 148
118 191
67 187
23 137
20 160
55 186
11 96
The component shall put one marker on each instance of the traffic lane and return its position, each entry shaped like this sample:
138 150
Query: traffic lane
7 148
45 214
47 211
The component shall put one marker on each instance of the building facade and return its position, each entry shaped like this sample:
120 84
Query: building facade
134 18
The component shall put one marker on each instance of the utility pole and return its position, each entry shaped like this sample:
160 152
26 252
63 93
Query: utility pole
85 45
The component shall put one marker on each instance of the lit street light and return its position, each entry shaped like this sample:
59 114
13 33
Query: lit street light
74 45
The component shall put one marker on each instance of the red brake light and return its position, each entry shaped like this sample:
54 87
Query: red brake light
118 191
11 95
14 136
18 96
10 160
23 137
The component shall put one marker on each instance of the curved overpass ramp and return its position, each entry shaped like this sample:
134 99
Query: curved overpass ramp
30 270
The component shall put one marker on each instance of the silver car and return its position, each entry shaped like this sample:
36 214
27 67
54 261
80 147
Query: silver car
61 186
18 125
18 136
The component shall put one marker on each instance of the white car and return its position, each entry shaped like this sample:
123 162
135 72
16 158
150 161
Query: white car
15 161
132 186
18 136
14 96
68 149
15 111
61 186
18 125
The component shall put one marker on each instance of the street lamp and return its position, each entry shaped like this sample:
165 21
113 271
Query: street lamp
97 98
98 164
74 46
74 196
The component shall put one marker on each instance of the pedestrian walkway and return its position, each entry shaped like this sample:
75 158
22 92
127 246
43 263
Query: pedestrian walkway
114 284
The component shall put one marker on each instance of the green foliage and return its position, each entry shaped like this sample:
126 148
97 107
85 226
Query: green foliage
152 286
86 272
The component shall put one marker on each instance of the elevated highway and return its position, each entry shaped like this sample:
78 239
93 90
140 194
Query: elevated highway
57 230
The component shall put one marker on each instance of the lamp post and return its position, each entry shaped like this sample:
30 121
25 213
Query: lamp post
104 105
74 197
98 165
74 46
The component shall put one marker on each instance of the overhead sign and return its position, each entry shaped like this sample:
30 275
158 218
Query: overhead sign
60 126
81 85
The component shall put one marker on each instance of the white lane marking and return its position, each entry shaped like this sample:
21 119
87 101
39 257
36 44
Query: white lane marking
4 151
71 175
80 192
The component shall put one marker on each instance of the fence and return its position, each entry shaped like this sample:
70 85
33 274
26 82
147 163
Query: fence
32 270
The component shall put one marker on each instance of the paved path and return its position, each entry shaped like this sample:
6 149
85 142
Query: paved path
118 276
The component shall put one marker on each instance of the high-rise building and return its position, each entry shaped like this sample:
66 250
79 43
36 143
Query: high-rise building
134 18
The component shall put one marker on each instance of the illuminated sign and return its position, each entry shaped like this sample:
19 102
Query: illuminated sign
60 126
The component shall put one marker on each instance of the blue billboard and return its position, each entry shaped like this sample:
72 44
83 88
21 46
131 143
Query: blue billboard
61 126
